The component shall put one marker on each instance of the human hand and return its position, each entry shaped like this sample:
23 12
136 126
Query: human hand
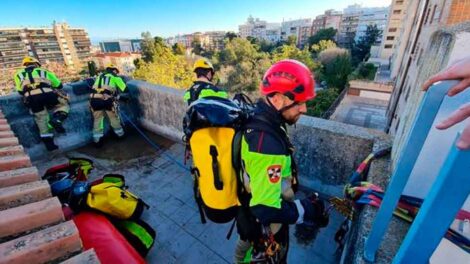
456 117
459 70
315 211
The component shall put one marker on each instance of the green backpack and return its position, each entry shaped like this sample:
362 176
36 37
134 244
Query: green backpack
138 233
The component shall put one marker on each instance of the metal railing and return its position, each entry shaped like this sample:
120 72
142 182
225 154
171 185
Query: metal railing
446 197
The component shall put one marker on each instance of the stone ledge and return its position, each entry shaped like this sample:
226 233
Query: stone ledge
9 141
30 216
87 257
18 176
23 194
14 162
11 150
43 246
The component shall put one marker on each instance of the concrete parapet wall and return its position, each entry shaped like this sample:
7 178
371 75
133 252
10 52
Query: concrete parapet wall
327 152
78 125
158 108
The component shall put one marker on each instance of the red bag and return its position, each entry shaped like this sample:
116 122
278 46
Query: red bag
97 232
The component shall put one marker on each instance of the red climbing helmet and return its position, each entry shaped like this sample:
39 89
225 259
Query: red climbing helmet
291 78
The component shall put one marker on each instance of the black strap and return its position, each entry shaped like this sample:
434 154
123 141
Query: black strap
197 194
195 92
230 231
100 80
29 72
218 184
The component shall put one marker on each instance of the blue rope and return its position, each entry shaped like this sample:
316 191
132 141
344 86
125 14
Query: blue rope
153 144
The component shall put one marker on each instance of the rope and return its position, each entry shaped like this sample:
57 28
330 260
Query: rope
153 144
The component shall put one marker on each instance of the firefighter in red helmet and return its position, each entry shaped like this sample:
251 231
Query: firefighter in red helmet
269 173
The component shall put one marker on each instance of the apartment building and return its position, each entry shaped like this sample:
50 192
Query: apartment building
121 45
393 30
434 34
355 20
60 44
330 19
124 61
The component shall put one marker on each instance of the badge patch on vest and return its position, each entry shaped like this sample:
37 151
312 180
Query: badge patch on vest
274 173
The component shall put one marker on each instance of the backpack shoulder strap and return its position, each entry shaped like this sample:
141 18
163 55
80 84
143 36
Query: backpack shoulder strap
195 91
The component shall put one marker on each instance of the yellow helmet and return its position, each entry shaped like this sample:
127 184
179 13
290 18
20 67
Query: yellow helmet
30 60
111 67
203 64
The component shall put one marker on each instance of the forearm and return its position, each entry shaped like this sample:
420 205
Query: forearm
287 214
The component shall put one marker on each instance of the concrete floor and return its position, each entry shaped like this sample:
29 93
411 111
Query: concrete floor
360 111
167 188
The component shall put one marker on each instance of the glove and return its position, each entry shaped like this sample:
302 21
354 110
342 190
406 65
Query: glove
315 211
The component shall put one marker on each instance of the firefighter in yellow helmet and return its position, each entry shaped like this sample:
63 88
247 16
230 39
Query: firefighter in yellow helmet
103 102
203 86
41 92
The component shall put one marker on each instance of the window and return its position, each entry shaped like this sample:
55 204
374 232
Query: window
388 46
390 38
396 12
427 16
399 2
392 30
433 13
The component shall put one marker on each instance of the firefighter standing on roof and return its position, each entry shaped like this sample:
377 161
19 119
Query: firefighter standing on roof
103 102
269 172
41 92
203 86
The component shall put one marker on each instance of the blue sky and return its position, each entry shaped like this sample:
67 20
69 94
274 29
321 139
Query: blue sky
107 19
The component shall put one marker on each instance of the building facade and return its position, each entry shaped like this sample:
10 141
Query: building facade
348 26
330 19
300 28
61 44
122 45
124 61
435 33
371 16
210 40
260 29
394 27
354 22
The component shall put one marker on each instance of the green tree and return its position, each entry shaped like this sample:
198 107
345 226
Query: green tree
92 71
179 49
266 46
336 73
162 66
322 34
323 45
240 65
322 102
197 46
328 55
365 71
361 49
292 52
231 35
291 40
147 45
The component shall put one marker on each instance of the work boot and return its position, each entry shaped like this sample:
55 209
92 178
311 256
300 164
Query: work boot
57 120
49 143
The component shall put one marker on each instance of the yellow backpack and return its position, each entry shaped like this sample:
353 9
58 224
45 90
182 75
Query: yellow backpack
215 177
112 198
210 126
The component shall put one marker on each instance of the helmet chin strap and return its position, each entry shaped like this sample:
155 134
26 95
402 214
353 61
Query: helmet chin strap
280 111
